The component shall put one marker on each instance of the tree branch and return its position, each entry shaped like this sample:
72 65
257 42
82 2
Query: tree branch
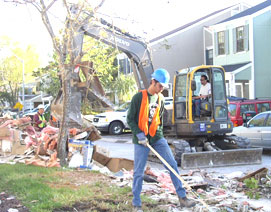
49 6
67 8
48 26
99 6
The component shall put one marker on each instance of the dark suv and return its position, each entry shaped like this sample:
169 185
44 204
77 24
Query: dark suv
237 107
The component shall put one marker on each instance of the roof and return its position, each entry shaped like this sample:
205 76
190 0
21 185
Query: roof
27 97
38 98
249 11
187 25
231 68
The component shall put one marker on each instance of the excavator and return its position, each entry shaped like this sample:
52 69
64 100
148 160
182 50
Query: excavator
196 142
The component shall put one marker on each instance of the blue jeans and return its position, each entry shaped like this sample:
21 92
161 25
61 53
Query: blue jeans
196 107
140 159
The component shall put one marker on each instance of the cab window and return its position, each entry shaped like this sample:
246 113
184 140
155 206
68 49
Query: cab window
180 93
218 83
232 109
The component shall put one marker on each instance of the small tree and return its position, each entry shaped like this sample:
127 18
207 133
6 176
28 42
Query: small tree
68 56
11 66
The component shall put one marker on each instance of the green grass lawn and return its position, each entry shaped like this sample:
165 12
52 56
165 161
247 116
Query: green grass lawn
55 189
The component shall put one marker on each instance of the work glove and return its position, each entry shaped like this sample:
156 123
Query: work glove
142 139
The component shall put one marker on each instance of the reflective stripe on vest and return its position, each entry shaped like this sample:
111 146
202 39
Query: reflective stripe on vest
41 118
143 121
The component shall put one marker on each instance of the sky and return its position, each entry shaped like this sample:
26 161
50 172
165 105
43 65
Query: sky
146 18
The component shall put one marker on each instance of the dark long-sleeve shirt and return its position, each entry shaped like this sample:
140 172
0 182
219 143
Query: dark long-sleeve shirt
37 120
133 116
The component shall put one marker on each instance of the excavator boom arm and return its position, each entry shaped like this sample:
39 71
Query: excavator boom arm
135 49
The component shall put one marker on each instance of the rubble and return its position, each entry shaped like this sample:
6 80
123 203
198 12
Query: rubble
223 193
20 143
102 156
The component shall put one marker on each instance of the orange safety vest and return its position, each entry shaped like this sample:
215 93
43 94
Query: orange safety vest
54 119
143 121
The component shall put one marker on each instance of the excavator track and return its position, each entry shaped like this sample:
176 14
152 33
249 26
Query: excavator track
232 142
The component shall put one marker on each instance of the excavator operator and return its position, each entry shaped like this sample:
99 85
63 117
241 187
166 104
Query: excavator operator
204 93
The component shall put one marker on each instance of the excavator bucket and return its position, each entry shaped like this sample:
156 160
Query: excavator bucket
91 89
234 157
225 151
231 156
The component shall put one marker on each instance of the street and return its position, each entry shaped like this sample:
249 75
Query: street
121 146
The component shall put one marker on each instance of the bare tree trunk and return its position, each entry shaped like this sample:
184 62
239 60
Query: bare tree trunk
64 127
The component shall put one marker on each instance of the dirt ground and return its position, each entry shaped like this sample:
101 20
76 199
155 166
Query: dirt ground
8 201
72 179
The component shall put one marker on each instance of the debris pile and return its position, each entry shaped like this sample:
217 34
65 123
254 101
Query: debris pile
219 192
22 143
236 191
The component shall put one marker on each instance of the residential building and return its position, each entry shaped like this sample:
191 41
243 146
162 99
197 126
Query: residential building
242 45
33 96
185 46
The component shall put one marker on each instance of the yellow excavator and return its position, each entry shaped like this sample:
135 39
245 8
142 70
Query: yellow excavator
203 141
197 142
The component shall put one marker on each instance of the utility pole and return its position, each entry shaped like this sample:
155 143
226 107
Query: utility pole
23 88
8 51
22 61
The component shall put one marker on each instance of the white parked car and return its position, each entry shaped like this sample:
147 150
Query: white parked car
257 130
113 122
168 103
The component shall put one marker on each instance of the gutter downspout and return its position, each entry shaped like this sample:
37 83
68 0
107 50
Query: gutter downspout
251 50
232 85
204 46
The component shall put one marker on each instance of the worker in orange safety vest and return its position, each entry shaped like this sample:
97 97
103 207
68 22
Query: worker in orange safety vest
145 118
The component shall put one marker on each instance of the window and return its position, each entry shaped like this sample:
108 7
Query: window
209 57
221 42
258 121
232 109
220 112
247 107
240 39
218 85
268 122
180 93
262 107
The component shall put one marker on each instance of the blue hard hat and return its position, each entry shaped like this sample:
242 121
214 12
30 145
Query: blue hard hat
161 75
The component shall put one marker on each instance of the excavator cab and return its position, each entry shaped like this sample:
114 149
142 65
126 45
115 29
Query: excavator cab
213 109
203 141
